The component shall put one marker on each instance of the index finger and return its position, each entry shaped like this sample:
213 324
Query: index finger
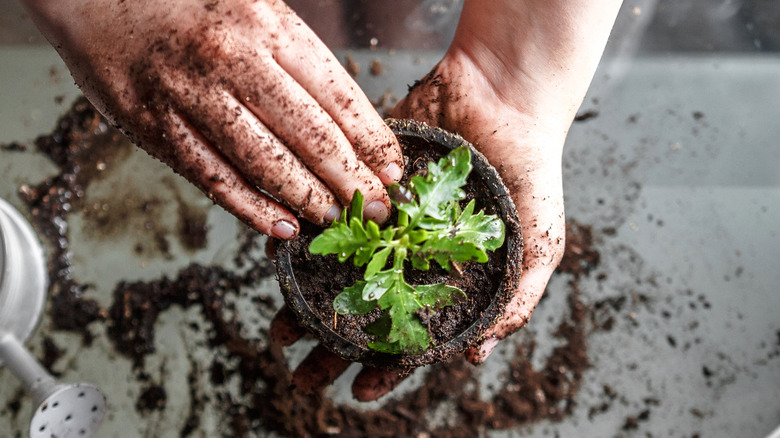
299 52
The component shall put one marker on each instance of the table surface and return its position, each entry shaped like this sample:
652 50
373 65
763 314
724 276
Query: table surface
677 176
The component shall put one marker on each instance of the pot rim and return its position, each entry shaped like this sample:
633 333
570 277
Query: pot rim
348 350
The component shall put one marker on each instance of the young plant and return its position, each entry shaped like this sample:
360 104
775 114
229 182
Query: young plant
431 226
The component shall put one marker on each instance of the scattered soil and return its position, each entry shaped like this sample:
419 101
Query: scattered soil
580 257
13 147
587 115
85 147
152 398
136 305
353 68
321 278
51 354
192 230
80 139
14 404
385 103
269 401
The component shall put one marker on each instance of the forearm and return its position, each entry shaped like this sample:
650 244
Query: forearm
540 54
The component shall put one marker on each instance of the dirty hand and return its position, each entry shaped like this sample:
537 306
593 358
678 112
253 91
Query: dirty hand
510 83
513 89
238 96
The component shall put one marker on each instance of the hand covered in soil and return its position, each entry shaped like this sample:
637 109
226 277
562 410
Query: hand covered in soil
510 83
238 96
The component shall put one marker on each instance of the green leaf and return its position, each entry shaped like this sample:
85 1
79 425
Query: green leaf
465 240
350 301
348 236
439 295
438 187
378 262
381 327
445 250
385 347
420 261
373 230
406 330
381 282
417 236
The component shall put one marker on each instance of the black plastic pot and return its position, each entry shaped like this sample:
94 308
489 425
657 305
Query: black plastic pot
408 132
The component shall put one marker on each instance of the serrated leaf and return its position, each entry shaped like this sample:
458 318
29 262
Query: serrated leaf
350 301
381 329
373 230
366 246
439 295
385 347
339 239
417 236
445 249
348 236
419 261
465 240
406 330
388 234
486 231
399 288
438 187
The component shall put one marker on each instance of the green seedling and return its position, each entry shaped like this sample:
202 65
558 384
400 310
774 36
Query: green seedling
431 225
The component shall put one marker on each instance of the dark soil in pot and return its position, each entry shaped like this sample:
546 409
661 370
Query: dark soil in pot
311 282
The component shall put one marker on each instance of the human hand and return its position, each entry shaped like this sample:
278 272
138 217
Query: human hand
238 96
513 94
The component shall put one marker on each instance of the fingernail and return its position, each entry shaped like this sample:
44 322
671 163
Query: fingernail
376 211
392 173
283 230
333 213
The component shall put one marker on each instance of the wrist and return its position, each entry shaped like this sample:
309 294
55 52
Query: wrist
537 54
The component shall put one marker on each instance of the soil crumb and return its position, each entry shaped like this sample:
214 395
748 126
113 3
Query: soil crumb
587 115
85 147
51 354
13 147
152 398
353 68
376 68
